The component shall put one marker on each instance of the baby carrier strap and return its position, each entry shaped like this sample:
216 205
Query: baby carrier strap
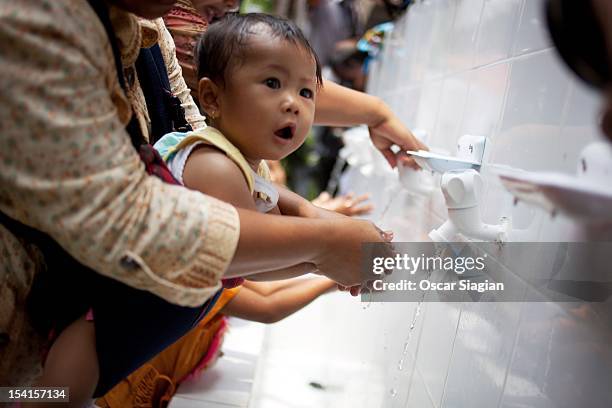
165 110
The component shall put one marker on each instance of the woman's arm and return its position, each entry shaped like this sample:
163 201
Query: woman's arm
270 302
283 274
337 105
341 106
334 246
274 246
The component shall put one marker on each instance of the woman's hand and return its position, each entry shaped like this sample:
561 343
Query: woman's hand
391 131
343 252
355 290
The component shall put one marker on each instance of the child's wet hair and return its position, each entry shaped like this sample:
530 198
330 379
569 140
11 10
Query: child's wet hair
223 45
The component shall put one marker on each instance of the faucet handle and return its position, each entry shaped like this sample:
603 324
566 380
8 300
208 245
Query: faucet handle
461 189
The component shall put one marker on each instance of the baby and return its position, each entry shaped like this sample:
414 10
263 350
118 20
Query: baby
258 82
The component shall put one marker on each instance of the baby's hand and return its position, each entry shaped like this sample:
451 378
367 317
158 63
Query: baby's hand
344 204
354 290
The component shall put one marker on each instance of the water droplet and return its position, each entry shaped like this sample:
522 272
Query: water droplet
393 392
367 305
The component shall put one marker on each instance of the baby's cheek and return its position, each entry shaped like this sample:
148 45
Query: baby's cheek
310 116
299 137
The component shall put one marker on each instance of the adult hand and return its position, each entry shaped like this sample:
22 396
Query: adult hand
341 255
355 290
271 243
389 131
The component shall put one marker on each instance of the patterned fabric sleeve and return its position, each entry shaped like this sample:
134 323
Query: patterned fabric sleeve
67 166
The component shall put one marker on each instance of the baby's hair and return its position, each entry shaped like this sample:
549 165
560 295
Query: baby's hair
225 41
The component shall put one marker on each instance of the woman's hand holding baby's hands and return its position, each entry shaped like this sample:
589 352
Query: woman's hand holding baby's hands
357 289
342 253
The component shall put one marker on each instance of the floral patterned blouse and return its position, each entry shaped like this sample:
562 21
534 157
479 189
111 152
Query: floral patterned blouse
67 167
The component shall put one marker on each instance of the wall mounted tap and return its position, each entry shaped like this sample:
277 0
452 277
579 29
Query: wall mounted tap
461 189
462 185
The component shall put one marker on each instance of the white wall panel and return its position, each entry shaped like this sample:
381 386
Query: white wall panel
481 67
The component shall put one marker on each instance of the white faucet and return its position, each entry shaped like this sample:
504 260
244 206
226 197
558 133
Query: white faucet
461 189
461 185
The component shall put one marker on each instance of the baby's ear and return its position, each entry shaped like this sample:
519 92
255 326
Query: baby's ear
208 96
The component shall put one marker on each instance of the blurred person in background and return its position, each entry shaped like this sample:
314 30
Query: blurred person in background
582 33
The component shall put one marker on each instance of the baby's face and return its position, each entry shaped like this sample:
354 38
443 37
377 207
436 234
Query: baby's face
267 104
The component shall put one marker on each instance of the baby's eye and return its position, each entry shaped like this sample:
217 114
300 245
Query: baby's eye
273 83
306 93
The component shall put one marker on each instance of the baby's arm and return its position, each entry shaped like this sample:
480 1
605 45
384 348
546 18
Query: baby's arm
295 205
269 302
212 172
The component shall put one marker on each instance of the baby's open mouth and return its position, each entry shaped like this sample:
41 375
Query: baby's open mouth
285 133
